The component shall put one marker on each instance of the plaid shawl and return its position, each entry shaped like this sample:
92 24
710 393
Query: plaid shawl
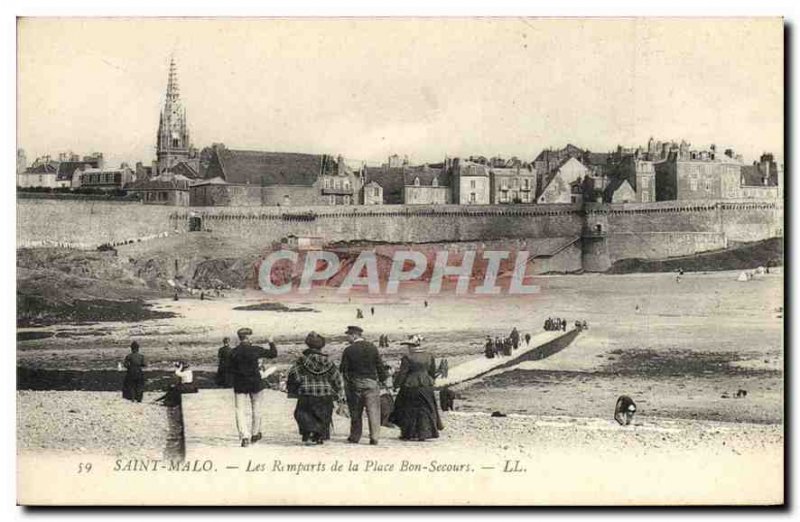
313 374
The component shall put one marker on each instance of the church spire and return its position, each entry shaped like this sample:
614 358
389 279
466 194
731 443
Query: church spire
172 143
173 90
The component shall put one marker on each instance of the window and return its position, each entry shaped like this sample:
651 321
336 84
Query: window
175 143
472 183
692 184
416 182
645 182
346 184
327 183
435 181
504 184
376 192
472 198
526 184
708 186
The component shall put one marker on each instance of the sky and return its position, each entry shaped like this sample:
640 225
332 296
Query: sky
426 88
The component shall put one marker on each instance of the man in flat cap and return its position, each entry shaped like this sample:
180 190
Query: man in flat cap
363 372
247 384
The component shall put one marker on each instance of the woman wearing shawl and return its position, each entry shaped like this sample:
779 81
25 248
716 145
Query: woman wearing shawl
317 383
415 410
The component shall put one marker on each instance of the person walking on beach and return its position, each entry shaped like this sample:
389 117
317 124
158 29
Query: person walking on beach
415 410
224 378
527 340
488 348
363 372
372 310
247 385
514 338
317 384
133 385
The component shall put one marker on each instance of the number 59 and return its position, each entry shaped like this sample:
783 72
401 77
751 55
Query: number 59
84 467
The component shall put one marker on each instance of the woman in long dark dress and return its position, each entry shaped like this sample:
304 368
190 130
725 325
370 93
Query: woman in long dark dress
415 411
317 383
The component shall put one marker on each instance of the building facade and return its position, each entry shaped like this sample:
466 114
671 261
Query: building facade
256 178
106 179
558 185
166 189
701 176
512 185
426 185
470 182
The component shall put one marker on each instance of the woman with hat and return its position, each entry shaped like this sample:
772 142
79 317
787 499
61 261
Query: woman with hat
415 410
317 383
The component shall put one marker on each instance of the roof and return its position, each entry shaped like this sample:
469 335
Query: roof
269 168
67 168
470 168
391 181
548 177
43 168
426 175
596 158
753 177
162 182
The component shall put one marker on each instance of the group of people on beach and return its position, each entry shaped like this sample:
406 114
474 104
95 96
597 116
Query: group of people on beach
504 346
555 324
358 384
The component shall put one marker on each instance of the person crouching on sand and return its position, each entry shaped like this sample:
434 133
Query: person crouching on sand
248 386
317 383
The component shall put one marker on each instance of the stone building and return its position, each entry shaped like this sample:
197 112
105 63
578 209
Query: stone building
637 170
698 175
470 182
69 170
558 185
620 191
256 178
105 179
426 185
165 189
372 193
390 180
43 172
511 185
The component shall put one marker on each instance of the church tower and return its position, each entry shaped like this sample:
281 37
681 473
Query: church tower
172 143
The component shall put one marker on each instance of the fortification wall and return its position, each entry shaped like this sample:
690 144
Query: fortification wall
88 223
658 245
389 223
643 230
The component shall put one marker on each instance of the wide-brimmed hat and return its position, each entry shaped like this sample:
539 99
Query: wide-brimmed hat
315 340
356 330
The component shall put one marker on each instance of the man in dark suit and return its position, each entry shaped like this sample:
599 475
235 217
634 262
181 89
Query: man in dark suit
364 373
224 375
247 385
